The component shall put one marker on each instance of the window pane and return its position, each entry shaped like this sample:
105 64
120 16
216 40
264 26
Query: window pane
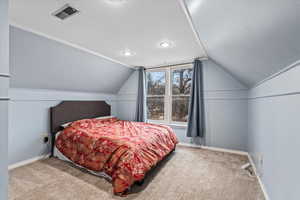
155 108
181 81
180 105
156 83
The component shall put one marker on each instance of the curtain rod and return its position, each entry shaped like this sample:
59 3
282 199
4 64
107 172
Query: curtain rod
178 64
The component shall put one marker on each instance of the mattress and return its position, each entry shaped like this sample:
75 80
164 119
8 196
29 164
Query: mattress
123 150
60 156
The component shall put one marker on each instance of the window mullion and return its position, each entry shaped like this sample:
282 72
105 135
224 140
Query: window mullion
167 97
170 96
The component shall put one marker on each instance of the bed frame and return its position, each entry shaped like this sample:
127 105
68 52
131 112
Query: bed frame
68 111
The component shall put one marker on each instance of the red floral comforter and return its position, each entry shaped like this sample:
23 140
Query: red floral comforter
124 150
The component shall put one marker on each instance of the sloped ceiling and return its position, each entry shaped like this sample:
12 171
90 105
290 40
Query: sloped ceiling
250 38
108 27
41 63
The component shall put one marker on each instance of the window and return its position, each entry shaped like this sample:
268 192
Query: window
168 93
156 90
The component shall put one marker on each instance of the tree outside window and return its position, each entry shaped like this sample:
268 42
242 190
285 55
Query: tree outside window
168 94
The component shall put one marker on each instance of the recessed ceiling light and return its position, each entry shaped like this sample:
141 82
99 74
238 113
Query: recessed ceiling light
127 53
166 44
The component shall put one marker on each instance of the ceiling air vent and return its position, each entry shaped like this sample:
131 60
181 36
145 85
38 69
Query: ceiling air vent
65 12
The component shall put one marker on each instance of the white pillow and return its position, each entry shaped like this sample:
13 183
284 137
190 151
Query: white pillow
65 125
105 117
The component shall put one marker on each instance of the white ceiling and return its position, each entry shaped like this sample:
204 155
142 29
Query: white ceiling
252 39
107 29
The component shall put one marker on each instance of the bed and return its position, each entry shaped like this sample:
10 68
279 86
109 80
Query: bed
124 151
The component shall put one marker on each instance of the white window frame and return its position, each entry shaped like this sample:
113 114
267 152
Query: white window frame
168 95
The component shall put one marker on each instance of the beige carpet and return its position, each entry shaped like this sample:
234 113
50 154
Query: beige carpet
187 174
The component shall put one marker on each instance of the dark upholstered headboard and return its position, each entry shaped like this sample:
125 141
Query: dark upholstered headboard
68 111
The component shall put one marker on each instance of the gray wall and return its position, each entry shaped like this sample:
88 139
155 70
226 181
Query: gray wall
4 83
29 119
273 137
225 102
41 63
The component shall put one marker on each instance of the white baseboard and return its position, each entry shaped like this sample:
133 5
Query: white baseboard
26 162
214 149
262 186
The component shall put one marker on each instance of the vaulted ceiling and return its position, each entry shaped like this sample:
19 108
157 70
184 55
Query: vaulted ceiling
40 63
110 27
250 39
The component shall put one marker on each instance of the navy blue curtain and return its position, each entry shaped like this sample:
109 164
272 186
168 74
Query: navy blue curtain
196 121
140 114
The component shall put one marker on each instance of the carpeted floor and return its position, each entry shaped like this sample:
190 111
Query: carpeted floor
187 174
